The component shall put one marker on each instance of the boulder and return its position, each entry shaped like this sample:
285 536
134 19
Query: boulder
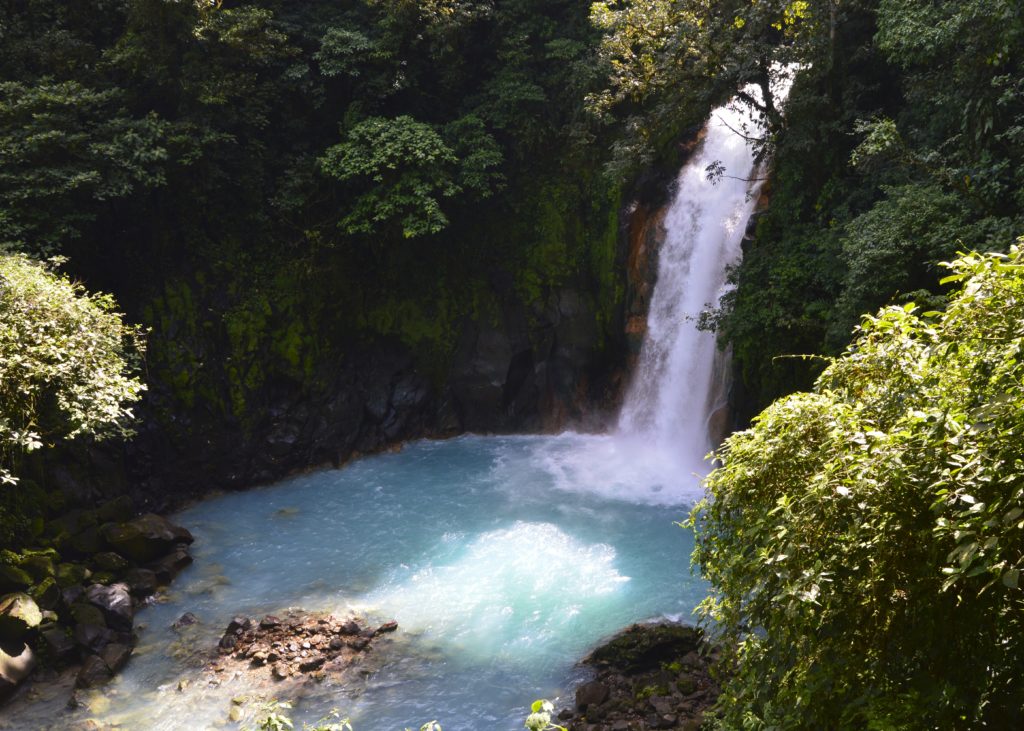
14 668
94 672
110 561
19 615
643 647
167 567
88 542
92 637
40 565
83 613
590 694
115 602
119 510
145 538
185 620
58 643
141 582
70 574
116 655
13 578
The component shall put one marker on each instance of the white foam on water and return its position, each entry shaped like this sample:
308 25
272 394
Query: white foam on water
506 592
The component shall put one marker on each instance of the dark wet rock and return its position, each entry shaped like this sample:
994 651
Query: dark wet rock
115 602
387 627
185 620
145 538
110 561
13 578
237 625
651 676
94 672
141 582
70 574
88 542
19 615
589 694
83 613
93 637
59 645
119 510
72 594
39 565
46 593
643 647
228 642
269 622
116 655
167 567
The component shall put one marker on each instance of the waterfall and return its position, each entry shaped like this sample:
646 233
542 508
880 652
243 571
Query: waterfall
676 387
656 454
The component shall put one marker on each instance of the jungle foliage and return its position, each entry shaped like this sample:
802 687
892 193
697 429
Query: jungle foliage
865 541
901 143
263 184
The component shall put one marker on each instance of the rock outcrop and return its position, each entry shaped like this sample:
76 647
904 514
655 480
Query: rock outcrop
80 594
296 645
651 676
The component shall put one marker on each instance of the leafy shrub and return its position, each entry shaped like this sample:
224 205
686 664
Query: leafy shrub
66 361
865 541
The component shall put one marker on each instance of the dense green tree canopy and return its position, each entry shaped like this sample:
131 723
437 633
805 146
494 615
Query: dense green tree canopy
866 541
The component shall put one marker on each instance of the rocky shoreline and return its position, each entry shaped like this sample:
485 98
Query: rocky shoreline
650 676
73 601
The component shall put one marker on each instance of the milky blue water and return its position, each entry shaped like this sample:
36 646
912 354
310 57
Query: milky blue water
503 559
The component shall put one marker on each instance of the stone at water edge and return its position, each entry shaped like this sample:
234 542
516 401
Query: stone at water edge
145 538
589 694
655 676
142 582
19 614
94 672
116 655
115 602
14 668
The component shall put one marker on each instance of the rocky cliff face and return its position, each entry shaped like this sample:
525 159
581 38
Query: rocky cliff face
528 364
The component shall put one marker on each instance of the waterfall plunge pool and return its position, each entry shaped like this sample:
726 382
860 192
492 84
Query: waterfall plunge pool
503 559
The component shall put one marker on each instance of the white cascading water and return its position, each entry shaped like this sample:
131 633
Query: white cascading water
657 453
675 387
